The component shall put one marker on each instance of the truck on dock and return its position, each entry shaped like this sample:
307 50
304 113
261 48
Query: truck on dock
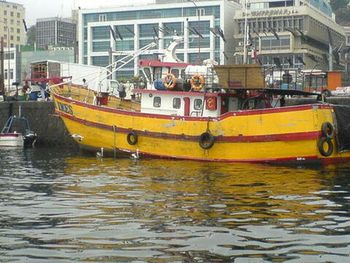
86 75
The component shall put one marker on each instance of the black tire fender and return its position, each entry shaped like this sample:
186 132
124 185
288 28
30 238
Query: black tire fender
327 129
321 146
132 138
206 140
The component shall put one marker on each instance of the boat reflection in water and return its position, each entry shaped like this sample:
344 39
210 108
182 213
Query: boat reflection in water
189 211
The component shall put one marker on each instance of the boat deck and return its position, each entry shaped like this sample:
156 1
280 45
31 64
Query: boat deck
90 97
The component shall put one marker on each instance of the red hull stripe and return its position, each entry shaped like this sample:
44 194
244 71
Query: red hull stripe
258 138
303 159
222 117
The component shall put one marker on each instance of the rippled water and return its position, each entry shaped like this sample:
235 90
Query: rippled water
64 207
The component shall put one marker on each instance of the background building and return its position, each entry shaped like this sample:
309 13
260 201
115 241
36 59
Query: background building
55 31
291 34
11 23
11 67
12 32
205 25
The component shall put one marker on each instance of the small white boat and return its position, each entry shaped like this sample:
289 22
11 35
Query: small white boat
17 133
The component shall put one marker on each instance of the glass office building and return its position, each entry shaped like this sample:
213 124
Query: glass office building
205 25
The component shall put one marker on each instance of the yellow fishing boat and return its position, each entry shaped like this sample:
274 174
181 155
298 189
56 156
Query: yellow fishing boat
187 114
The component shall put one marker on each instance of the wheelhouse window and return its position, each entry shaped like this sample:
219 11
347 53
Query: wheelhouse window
175 72
198 104
176 103
157 102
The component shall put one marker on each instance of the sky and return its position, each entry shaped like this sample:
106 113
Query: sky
62 8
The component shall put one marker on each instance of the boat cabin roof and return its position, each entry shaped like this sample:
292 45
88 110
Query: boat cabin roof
182 93
158 63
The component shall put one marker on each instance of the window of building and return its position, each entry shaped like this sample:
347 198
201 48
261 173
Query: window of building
5 12
101 61
175 72
101 32
126 31
147 30
200 12
197 105
18 15
157 101
18 39
176 103
102 17
170 27
123 45
100 46
6 75
11 13
18 30
9 55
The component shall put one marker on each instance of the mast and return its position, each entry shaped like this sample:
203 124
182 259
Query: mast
245 36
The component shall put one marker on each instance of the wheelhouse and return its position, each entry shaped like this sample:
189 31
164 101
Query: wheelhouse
199 104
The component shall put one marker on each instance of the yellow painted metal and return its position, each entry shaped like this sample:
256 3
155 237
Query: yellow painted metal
167 136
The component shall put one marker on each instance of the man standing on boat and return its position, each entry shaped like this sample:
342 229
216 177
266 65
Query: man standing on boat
42 86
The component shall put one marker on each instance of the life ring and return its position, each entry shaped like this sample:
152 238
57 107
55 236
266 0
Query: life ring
327 129
328 150
169 81
132 138
211 103
197 82
206 140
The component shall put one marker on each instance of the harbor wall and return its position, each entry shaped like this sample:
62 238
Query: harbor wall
42 120
52 132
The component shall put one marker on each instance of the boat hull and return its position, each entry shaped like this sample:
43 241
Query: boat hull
11 140
288 134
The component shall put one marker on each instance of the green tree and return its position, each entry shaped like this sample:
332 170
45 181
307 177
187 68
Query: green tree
31 35
338 4
342 16
341 11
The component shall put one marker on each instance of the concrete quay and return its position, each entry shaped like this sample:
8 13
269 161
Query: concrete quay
42 120
52 132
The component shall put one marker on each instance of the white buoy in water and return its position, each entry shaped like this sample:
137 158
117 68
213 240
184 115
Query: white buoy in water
100 154
135 155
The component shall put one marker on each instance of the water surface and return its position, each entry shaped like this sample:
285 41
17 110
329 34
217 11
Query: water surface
58 206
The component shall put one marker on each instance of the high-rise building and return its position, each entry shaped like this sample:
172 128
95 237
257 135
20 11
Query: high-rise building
12 32
11 23
206 27
55 31
290 34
